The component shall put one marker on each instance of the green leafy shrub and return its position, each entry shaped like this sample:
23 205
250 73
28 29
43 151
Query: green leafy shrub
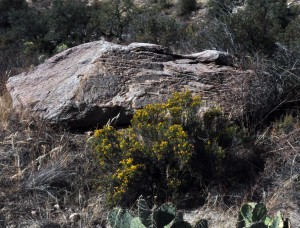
60 48
66 23
6 7
148 25
167 147
110 19
255 27
291 35
260 24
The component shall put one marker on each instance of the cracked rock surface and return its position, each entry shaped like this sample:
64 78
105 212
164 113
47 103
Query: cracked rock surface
87 85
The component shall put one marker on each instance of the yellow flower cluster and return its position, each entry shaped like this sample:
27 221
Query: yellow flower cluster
174 183
105 131
157 137
178 109
106 144
124 175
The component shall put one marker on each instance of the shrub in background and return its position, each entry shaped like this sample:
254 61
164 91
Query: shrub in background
110 19
291 35
148 25
259 25
61 48
7 6
185 7
167 148
255 27
66 23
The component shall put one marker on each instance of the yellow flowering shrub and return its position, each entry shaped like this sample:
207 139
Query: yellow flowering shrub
156 155
123 176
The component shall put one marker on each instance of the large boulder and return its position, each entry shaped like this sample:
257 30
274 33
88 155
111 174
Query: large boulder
89 84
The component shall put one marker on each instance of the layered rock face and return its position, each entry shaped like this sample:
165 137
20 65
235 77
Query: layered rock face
87 85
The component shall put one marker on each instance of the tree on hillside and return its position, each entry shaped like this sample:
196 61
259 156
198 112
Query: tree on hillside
66 22
260 24
6 6
257 26
152 27
110 18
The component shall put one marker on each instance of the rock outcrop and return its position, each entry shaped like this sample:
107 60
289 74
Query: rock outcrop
89 84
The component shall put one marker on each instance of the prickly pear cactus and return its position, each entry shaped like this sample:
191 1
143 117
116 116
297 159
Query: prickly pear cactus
137 223
119 218
157 217
164 216
254 215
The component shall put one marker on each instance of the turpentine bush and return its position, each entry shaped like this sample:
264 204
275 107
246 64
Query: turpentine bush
164 151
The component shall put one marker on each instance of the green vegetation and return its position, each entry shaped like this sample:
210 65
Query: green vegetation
257 27
167 148
150 26
254 215
251 215
164 216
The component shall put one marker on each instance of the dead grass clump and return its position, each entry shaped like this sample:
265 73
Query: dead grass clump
47 175
279 183
5 103
216 216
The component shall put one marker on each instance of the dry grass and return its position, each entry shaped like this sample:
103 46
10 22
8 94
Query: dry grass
5 103
46 176
216 216
279 184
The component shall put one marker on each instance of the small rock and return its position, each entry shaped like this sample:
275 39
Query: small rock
56 207
34 213
75 217
89 133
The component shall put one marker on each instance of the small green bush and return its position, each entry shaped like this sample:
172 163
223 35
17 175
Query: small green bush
167 148
110 19
291 35
60 48
254 26
148 25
